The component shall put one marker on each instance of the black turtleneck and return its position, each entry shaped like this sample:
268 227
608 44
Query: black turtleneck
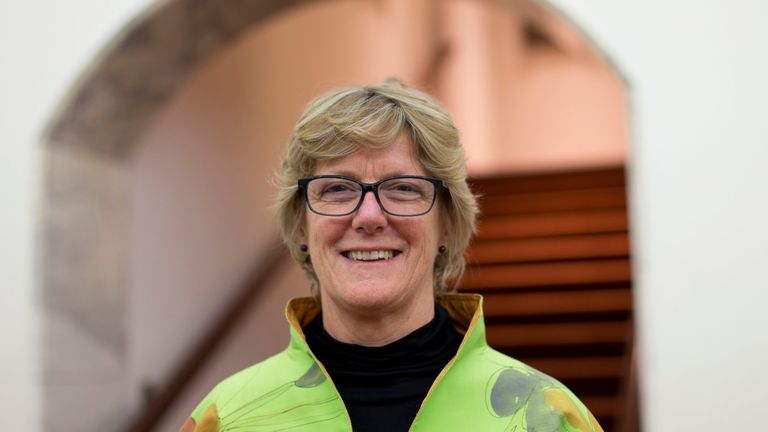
383 387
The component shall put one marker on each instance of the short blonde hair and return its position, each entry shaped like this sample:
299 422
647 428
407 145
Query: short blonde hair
345 120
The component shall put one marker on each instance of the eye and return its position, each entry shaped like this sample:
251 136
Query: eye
404 187
337 187
333 189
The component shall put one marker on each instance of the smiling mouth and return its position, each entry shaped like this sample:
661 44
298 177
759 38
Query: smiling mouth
376 255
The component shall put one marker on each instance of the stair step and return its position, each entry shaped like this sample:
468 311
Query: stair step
546 274
549 182
580 367
547 224
549 248
558 302
603 407
548 201
519 335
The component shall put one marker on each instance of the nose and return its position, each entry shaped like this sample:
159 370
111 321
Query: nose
369 217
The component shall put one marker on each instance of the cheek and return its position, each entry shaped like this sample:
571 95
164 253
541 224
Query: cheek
323 233
421 234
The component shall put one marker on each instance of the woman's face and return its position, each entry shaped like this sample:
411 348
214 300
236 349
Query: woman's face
365 286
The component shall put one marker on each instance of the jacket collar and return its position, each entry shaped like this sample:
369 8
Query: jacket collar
464 310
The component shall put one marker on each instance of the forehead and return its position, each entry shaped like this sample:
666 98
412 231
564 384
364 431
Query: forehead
371 164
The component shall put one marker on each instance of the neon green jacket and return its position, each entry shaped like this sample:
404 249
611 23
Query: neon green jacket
480 389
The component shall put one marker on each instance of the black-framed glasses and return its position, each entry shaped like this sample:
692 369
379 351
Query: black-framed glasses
406 195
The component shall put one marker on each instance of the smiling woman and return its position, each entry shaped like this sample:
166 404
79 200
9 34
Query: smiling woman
375 207
375 301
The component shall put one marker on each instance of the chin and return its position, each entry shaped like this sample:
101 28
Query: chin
374 295
367 295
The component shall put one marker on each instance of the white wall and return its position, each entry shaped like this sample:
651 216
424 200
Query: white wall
700 202
46 45
700 96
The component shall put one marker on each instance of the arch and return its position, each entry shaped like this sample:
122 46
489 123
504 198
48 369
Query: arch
142 69
89 147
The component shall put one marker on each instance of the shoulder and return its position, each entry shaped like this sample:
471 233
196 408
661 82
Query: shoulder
254 381
513 387
510 366
286 391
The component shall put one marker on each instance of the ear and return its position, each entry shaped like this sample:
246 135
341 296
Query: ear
444 238
301 235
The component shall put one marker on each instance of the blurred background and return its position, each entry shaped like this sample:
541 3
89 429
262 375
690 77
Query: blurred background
618 149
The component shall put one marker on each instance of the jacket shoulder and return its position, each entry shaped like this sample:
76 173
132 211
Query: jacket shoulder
253 382
548 401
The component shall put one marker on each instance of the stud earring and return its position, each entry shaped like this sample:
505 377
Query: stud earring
442 249
303 248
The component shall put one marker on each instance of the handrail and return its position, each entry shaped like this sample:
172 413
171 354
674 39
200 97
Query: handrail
192 364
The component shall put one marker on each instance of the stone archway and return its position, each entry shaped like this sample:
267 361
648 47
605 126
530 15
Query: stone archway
89 147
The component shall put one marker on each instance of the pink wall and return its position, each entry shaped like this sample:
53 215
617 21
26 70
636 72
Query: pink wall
529 107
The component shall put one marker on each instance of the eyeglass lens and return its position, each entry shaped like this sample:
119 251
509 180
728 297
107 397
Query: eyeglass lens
400 196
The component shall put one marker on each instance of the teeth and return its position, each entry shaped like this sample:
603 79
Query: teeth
370 255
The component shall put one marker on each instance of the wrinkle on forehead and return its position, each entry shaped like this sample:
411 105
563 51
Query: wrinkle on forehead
371 164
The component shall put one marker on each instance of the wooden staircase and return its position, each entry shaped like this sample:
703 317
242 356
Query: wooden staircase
552 259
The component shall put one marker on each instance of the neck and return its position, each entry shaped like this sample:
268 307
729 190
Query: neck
375 328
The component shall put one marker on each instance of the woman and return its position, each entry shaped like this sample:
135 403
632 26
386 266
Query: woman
390 349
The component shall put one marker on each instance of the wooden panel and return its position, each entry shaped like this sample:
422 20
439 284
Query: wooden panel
552 258
602 406
513 335
585 199
557 302
553 224
554 248
545 274
580 367
545 182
